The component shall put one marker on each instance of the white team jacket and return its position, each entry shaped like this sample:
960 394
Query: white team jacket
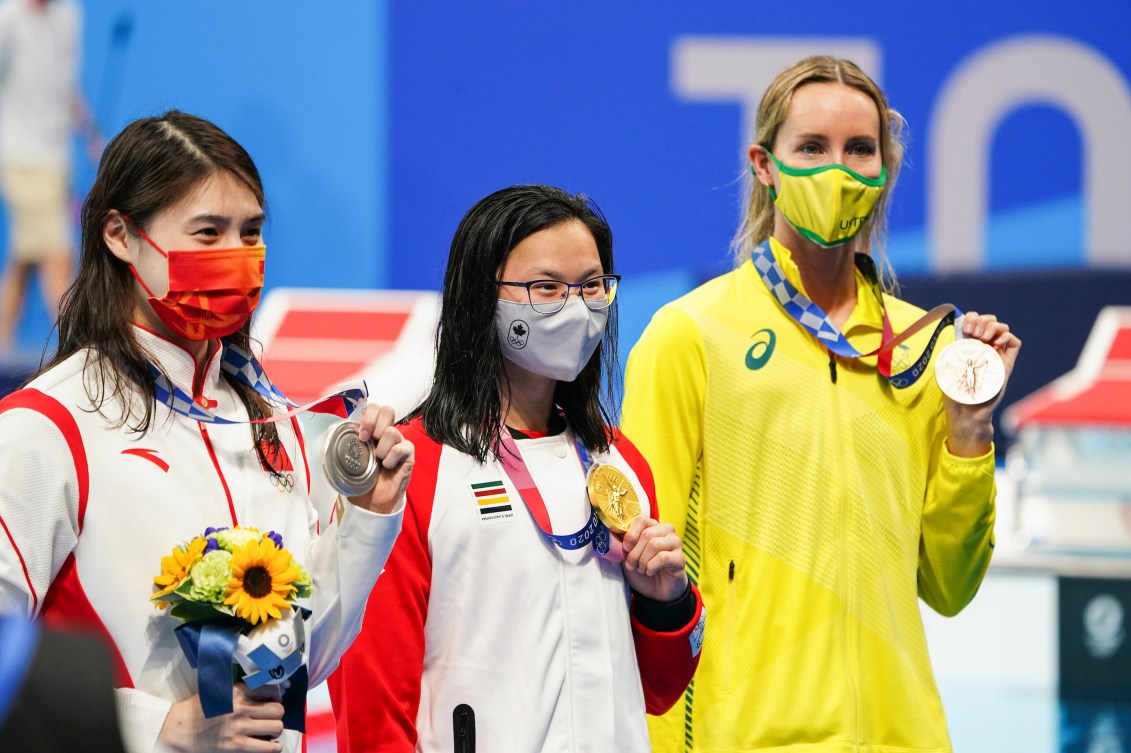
88 511
477 608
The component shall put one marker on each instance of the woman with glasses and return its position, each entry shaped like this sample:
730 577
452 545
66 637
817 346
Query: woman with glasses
513 612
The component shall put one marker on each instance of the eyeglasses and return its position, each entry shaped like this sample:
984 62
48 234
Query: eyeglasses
550 296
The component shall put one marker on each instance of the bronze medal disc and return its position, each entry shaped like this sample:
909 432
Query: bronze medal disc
614 498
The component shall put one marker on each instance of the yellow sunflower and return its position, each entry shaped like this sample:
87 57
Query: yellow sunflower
263 575
175 567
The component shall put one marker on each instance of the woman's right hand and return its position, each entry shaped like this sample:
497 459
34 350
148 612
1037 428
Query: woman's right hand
254 726
377 424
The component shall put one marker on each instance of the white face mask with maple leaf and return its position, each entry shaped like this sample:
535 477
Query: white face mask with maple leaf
557 345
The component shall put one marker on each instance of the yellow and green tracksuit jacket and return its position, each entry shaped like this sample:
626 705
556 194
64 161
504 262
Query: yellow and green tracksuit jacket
815 503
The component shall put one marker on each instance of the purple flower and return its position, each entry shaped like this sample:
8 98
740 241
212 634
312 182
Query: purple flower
209 531
276 538
212 545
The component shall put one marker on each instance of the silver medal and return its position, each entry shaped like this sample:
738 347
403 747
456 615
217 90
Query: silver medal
350 464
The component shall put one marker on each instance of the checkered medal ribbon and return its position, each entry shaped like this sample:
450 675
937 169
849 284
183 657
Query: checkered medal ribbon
242 366
813 318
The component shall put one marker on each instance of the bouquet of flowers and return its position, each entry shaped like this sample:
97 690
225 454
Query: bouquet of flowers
236 590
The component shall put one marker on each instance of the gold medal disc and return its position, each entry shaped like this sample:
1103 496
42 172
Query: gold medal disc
970 372
614 498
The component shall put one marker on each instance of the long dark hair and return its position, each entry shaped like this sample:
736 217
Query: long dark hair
464 407
147 168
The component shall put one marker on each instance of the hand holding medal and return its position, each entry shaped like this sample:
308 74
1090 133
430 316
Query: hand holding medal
972 372
653 553
369 462
654 561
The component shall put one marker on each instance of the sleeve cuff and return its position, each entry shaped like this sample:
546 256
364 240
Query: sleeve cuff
986 462
370 527
141 717
664 616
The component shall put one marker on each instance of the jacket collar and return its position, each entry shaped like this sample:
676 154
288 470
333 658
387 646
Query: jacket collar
178 363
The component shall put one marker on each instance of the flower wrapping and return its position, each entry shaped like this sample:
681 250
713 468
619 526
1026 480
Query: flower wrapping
236 590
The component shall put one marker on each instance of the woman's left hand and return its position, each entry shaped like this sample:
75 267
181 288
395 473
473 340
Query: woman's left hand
395 454
970 427
653 561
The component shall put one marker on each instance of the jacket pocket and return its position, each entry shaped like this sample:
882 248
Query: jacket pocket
731 608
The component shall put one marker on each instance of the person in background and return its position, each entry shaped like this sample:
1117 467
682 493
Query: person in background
509 618
40 106
817 498
106 462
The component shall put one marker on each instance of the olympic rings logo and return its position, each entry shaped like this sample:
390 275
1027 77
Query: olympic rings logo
283 482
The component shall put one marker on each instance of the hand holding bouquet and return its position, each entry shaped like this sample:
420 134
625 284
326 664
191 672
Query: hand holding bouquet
236 591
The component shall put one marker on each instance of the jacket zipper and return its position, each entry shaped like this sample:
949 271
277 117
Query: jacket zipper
849 664
198 397
732 605
219 472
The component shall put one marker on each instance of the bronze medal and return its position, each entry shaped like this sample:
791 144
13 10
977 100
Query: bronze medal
613 497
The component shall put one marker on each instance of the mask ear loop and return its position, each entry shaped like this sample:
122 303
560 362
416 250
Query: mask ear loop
147 239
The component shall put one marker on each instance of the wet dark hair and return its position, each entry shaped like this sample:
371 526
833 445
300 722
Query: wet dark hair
147 168
464 406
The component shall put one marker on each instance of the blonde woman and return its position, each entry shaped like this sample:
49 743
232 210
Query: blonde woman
819 490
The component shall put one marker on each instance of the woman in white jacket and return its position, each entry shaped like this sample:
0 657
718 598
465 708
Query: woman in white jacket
109 456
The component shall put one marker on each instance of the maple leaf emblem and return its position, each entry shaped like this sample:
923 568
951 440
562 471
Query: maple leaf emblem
518 329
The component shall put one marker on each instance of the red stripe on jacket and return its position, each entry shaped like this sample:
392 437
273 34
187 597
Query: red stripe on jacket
54 411
376 667
66 604
67 607
665 660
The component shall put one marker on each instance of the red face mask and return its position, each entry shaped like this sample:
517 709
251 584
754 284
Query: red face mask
212 291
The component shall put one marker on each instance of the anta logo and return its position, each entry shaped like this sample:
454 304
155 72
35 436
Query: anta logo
763 347
150 455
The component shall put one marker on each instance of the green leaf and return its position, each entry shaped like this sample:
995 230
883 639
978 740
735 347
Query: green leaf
184 588
195 610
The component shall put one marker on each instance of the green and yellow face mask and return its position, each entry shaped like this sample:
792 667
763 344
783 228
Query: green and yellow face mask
828 204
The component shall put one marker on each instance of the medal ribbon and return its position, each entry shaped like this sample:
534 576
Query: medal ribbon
242 366
515 467
810 316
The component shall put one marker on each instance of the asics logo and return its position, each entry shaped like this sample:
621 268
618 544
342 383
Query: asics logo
763 347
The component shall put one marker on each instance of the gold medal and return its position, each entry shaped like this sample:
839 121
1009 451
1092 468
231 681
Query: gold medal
970 372
614 498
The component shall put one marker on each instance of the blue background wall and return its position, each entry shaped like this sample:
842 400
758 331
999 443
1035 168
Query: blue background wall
306 93
488 94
